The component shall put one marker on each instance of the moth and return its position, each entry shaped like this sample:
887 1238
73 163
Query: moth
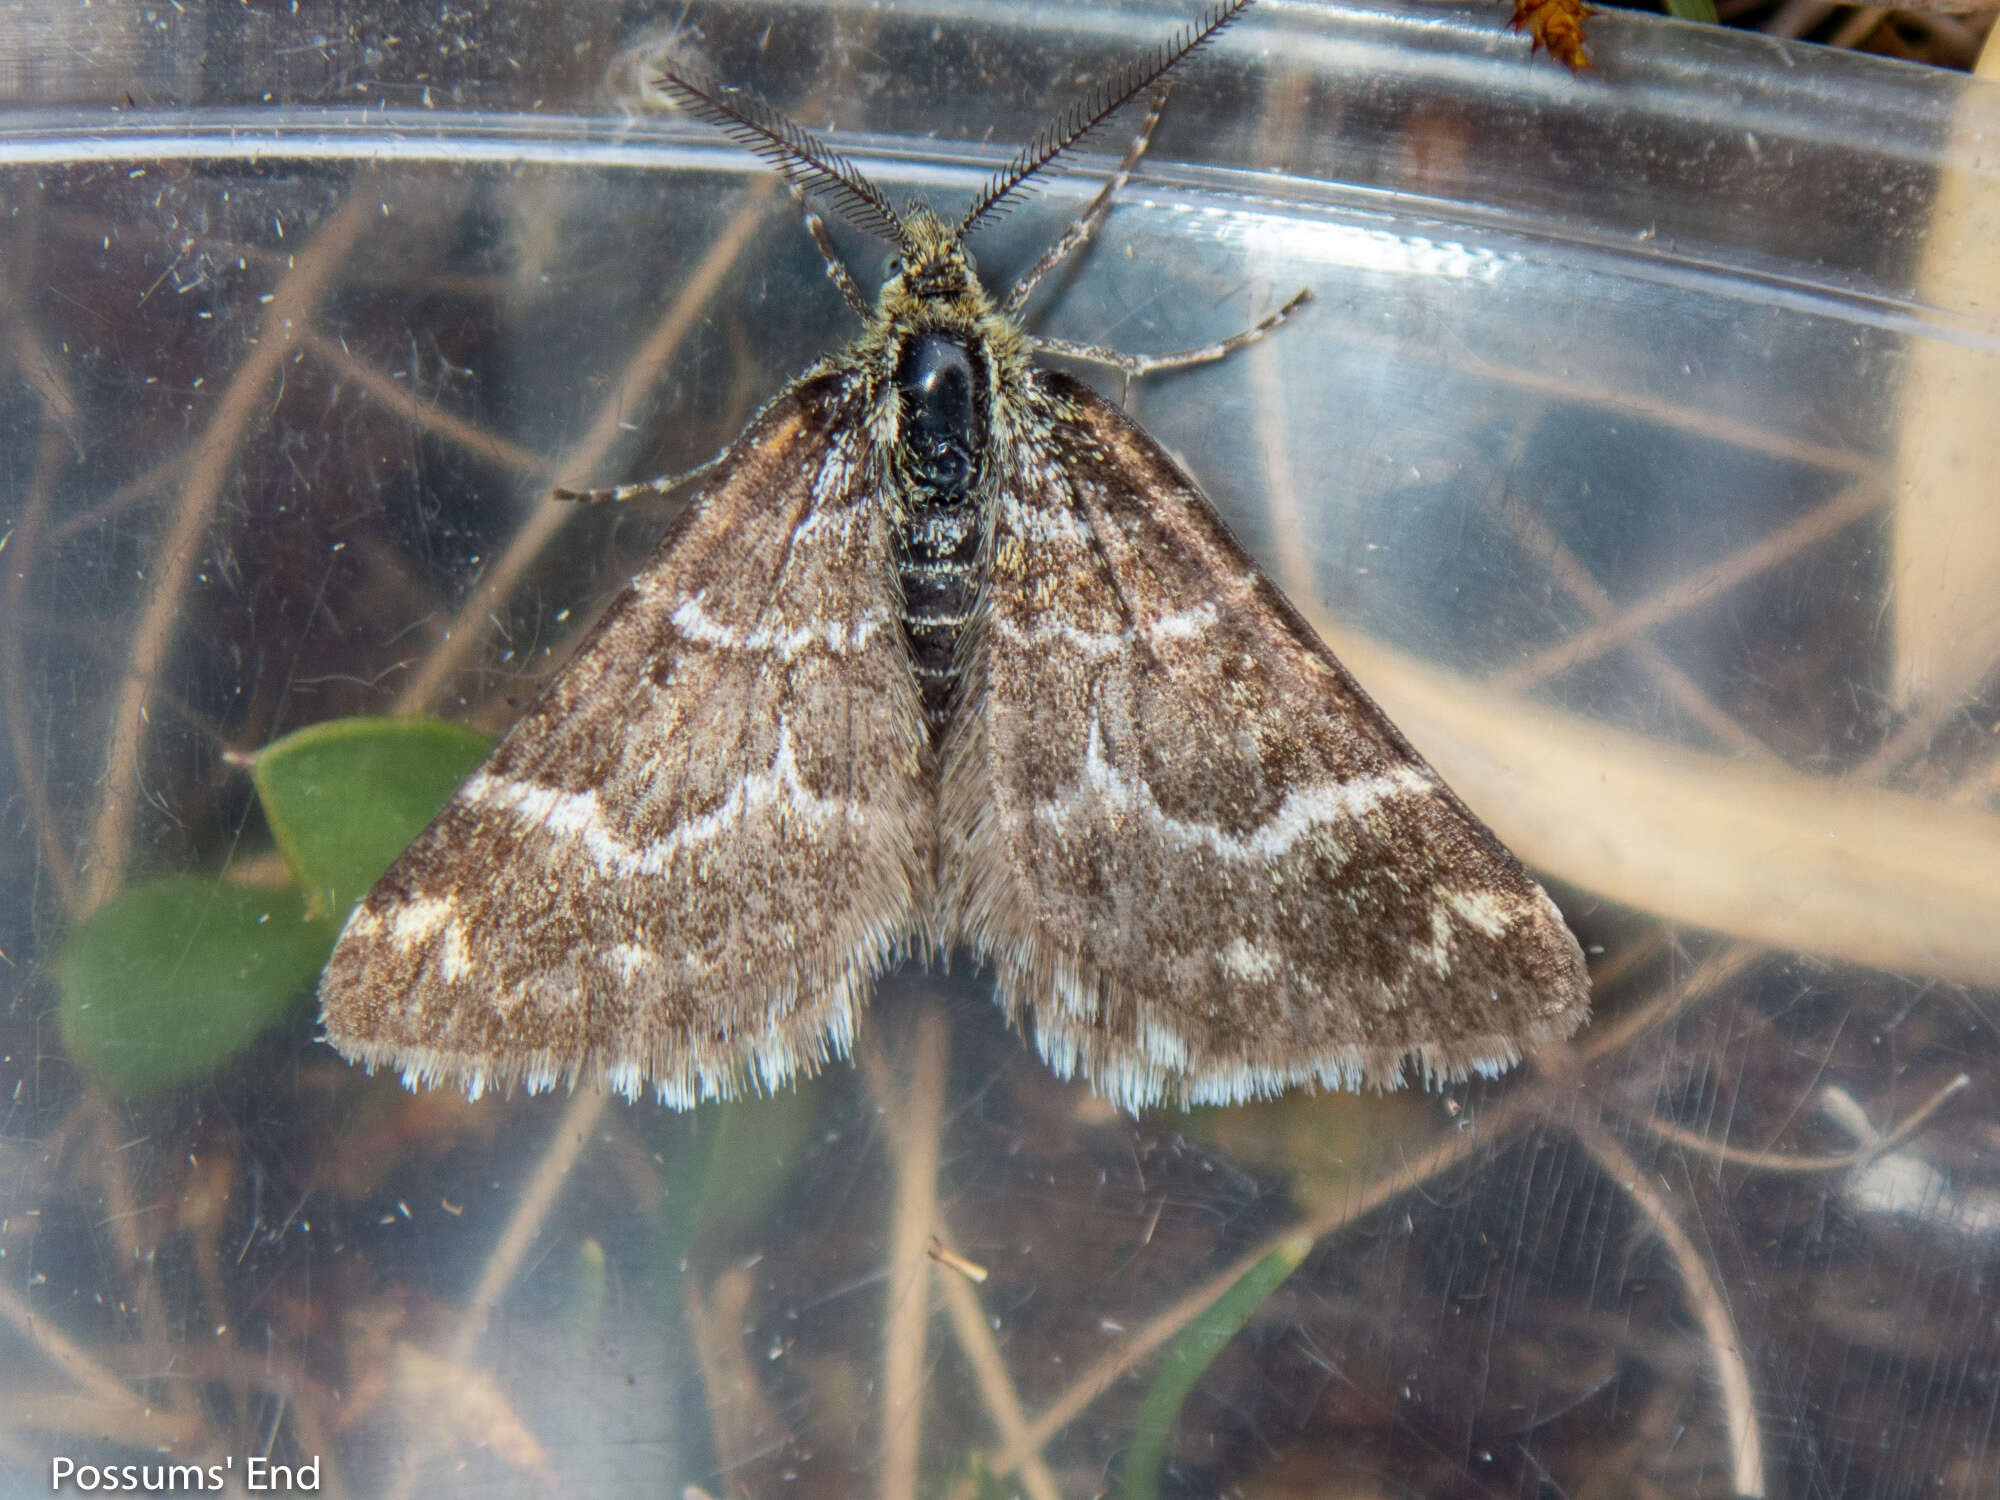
947 656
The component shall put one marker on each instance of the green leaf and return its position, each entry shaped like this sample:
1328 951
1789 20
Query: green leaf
744 1152
344 797
167 980
1693 10
1193 1352
731 1160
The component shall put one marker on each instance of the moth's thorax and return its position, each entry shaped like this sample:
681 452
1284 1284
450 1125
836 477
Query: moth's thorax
945 361
942 390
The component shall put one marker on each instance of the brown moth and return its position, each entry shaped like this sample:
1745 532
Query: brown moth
947 654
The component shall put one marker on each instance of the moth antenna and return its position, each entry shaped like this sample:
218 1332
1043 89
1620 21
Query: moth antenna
805 161
1008 185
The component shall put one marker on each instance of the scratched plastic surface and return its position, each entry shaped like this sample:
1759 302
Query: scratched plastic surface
1623 454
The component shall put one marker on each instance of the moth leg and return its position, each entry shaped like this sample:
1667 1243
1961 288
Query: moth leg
1087 222
662 484
1135 366
666 484
836 268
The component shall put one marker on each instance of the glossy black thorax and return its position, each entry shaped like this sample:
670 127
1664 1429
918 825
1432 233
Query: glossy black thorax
943 395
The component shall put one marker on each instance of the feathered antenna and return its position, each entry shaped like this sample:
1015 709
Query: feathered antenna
806 161
1006 187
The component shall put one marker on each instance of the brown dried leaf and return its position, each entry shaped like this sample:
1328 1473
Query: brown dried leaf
389 1127
467 1407
1556 25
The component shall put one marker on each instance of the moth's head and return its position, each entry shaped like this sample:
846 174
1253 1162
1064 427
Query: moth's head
931 277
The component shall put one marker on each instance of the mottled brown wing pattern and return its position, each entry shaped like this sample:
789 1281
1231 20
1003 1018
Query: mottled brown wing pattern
684 866
1161 784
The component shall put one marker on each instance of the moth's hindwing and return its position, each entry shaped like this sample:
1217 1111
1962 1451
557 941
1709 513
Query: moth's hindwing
686 863
1202 862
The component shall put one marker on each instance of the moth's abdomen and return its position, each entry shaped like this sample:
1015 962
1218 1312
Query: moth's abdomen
940 456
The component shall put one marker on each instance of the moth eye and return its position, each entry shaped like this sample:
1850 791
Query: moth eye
893 266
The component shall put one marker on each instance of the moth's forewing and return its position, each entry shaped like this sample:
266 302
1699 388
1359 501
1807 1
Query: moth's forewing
686 863
1203 862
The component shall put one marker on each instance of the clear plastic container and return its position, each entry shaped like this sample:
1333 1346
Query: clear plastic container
1634 453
